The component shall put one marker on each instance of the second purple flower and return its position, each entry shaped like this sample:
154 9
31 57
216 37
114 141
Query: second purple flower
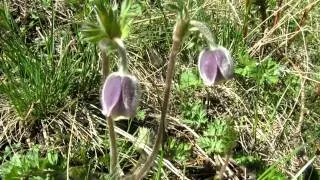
215 64
119 97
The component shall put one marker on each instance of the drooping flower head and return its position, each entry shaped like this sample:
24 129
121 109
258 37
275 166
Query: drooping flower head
119 97
215 64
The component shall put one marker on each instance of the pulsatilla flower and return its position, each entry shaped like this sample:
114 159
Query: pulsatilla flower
119 96
215 64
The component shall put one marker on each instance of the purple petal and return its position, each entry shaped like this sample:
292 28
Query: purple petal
208 66
111 93
119 111
130 94
224 61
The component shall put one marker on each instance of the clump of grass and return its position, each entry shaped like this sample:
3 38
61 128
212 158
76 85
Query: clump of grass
38 79
180 151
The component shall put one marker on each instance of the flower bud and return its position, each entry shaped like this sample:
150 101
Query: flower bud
119 97
215 64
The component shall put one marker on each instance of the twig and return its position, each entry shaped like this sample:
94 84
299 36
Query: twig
224 166
304 168
277 16
302 107
69 146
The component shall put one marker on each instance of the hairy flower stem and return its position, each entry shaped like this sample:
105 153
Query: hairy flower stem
113 149
207 103
205 31
178 34
123 54
104 63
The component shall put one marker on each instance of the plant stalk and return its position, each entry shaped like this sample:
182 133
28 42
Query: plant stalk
104 63
205 31
277 16
178 34
263 4
113 148
123 55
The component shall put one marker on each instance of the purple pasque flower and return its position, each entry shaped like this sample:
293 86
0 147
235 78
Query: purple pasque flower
119 96
215 64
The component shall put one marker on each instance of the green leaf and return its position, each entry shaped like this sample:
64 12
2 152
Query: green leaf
141 114
52 158
194 114
179 150
189 79
220 137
